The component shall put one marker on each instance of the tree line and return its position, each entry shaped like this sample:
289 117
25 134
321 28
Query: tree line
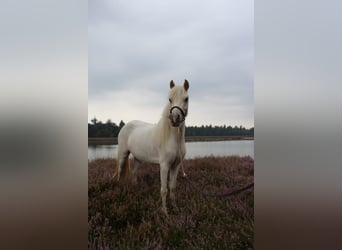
110 129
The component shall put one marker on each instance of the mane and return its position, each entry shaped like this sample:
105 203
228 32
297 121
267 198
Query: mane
163 127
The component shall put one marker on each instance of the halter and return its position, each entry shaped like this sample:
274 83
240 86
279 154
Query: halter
181 110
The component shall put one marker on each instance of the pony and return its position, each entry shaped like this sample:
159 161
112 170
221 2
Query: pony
162 143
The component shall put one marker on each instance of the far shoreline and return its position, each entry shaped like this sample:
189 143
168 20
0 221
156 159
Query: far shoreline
114 140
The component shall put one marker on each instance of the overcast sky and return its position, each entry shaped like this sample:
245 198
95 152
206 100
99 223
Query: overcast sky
136 47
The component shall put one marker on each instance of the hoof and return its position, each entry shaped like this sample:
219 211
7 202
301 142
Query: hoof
134 182
164 210
175 208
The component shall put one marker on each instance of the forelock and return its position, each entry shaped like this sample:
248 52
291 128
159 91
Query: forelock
176 91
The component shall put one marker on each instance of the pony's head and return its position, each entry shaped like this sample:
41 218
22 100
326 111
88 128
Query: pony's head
178 103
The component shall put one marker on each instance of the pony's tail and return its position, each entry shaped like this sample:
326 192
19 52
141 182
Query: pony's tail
125 172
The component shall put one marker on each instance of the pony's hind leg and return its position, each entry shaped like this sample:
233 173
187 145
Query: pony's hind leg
135 168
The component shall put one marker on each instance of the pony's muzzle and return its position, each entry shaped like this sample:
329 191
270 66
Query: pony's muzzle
177 116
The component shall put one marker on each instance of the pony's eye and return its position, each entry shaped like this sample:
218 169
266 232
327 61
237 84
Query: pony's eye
170 100
186 99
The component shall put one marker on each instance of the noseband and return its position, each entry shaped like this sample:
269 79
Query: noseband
181 110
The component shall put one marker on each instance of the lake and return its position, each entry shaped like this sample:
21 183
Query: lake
193 149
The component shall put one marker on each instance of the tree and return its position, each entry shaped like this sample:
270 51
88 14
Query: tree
109 129
121 124
94 120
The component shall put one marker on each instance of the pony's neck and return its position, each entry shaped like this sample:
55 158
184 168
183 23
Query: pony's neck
165 130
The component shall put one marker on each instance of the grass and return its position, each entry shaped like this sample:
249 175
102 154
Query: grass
127 216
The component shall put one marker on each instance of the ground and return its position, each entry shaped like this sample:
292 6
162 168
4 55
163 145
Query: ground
123 215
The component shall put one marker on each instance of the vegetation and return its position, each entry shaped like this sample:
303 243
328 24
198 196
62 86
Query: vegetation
218 131
127 216
110 129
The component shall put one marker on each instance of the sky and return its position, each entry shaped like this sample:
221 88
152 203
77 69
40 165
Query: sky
137 47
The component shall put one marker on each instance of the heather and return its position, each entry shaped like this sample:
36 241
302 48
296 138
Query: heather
127 216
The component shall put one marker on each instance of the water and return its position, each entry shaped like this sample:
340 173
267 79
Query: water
193 149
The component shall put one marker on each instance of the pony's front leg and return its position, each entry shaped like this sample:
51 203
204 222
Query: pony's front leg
164 169
172 184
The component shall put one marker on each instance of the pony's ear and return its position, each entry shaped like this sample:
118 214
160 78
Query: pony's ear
186 84
172 84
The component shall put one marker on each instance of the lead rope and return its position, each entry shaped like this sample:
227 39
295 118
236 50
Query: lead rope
198 189
179 151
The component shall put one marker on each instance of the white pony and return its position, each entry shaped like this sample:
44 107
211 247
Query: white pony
162 143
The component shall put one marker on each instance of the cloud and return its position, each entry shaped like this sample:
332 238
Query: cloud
128 105
145 44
